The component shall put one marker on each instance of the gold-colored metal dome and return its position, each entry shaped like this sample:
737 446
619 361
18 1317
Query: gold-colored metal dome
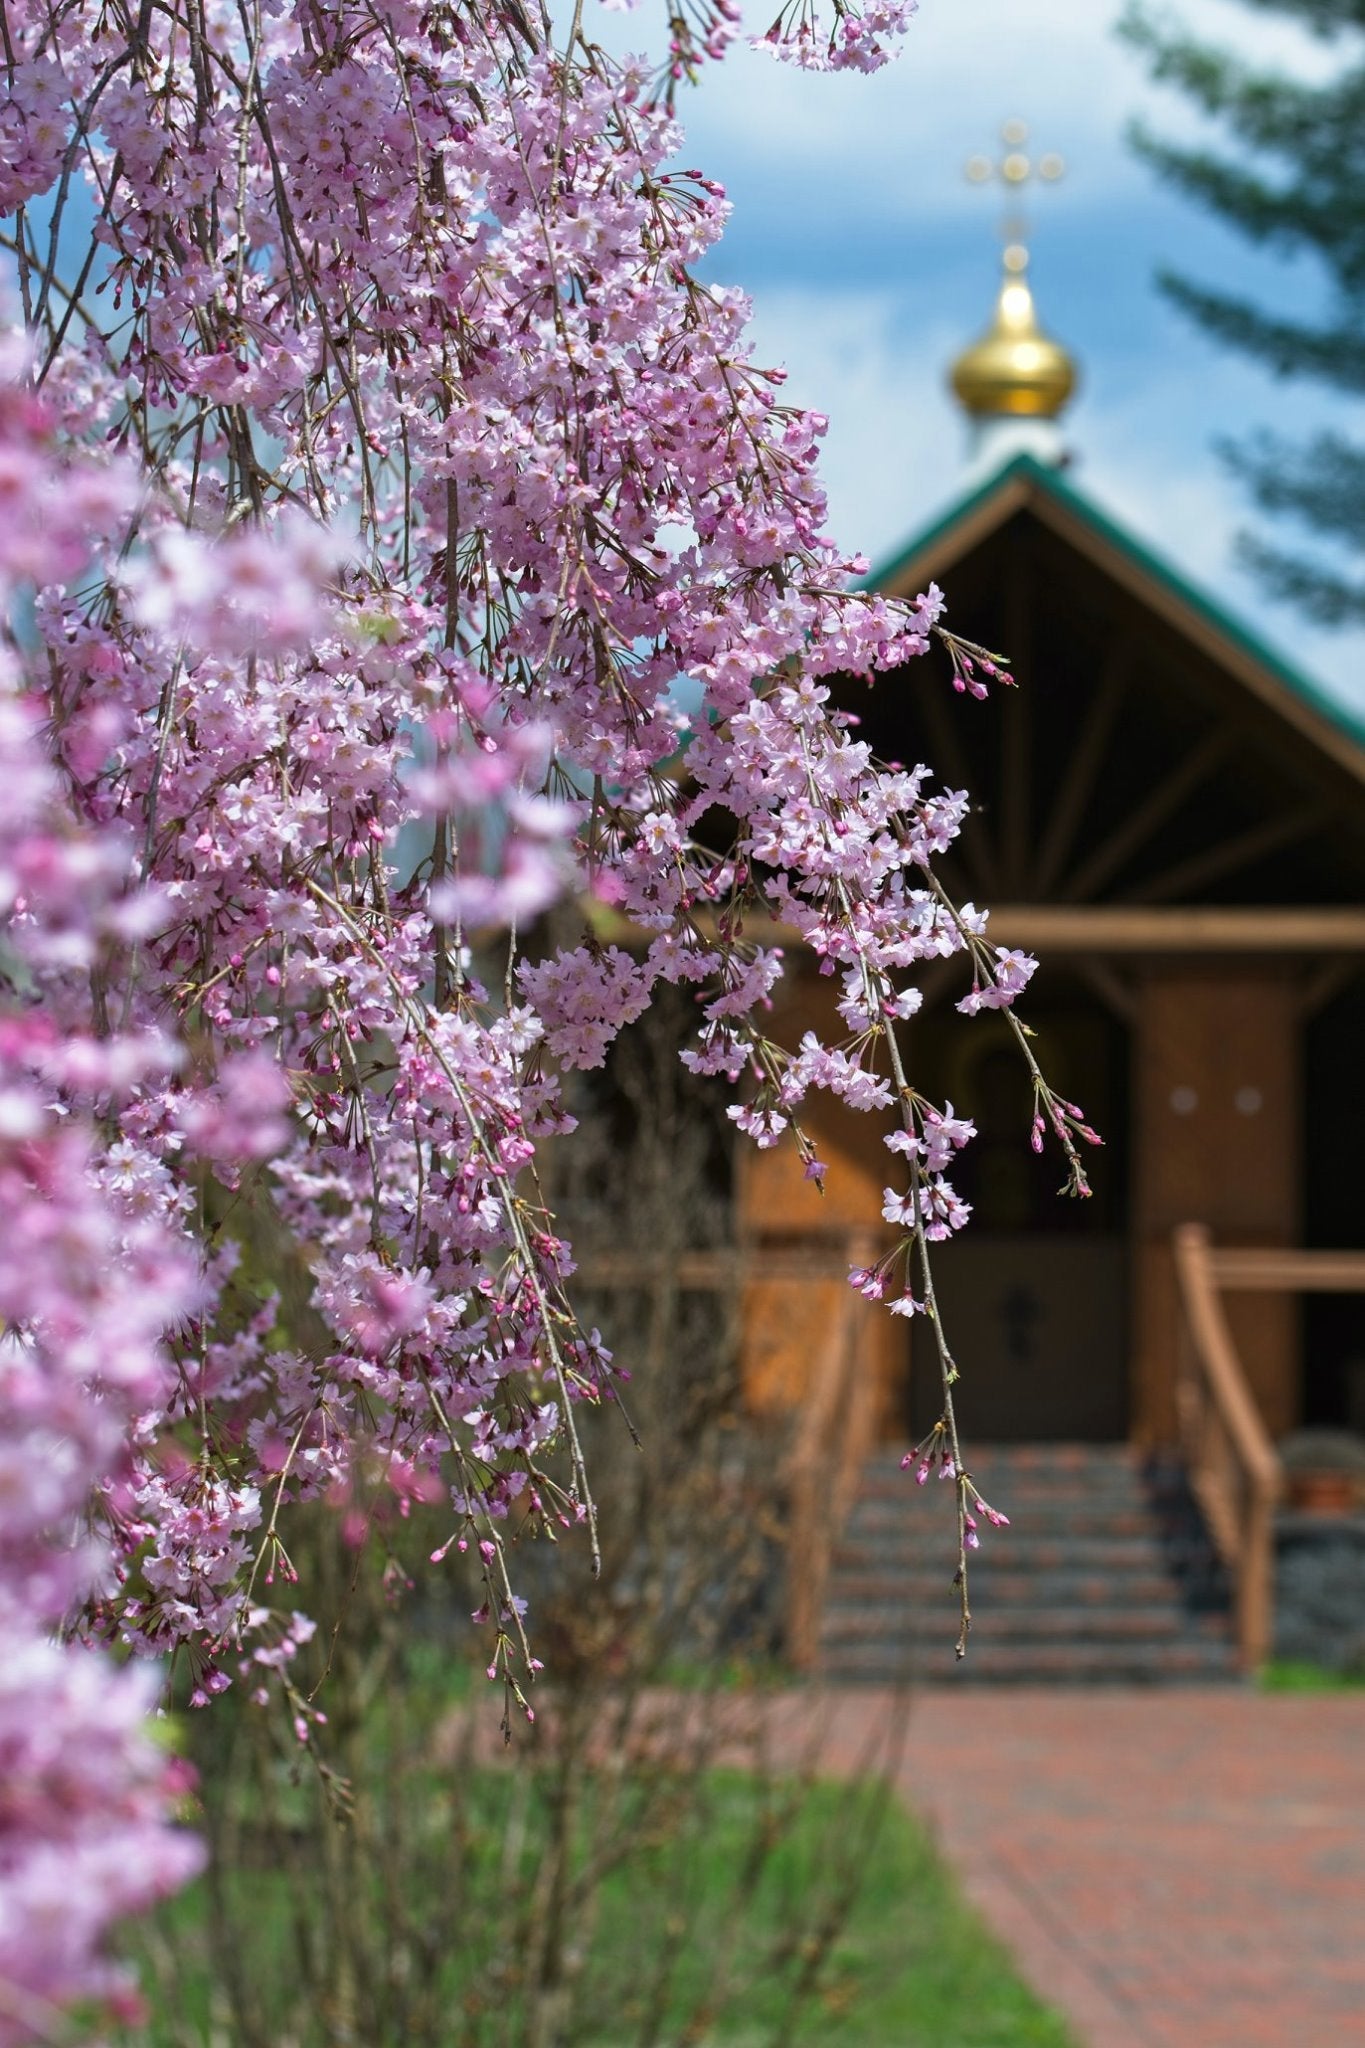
1014 370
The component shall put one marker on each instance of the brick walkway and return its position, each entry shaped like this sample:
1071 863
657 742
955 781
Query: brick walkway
1173 1869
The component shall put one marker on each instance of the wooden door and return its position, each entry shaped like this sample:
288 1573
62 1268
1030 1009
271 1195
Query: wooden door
1217 1118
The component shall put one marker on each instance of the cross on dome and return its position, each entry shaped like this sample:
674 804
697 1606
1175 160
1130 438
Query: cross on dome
1014 371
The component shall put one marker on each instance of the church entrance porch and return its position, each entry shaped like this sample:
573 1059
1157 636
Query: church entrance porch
1066 1318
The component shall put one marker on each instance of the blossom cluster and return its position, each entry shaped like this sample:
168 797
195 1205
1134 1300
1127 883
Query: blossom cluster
365 494
89 1282
858 38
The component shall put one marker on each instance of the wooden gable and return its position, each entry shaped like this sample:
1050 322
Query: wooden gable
1152 754
1175 820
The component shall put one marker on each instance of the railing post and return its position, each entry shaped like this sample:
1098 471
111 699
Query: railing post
1256 1583
810 1480
804 1573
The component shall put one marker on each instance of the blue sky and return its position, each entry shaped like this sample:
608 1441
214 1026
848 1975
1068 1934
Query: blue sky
871 261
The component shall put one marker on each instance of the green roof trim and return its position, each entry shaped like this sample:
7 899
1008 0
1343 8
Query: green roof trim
1051 484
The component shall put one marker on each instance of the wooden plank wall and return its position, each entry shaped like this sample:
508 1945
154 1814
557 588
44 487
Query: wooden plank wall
786 1317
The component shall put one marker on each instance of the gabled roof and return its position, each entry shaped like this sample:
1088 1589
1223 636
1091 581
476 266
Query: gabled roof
1026 484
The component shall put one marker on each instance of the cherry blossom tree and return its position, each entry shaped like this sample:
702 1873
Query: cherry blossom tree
374 471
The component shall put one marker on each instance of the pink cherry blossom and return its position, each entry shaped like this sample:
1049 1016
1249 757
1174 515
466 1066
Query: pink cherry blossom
398 539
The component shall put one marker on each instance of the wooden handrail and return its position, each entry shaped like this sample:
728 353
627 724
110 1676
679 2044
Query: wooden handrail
1200 1285
1234 1468
1288 1272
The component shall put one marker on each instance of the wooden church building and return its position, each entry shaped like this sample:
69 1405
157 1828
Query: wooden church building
1173 820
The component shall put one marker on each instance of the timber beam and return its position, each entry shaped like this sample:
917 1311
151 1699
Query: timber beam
1074 930
1060 929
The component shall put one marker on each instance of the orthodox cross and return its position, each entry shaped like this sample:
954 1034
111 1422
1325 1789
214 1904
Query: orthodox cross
1015 170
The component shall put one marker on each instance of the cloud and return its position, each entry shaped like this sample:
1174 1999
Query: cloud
892 146
894 449
871 263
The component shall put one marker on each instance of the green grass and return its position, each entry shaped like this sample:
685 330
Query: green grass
1291 1677
412 1885
731 1861
913 1967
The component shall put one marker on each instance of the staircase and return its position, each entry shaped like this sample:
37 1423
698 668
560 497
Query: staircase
1106 1576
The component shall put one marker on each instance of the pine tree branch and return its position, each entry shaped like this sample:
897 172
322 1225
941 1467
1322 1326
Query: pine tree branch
1323 483
1294 182
1333 355
1324 214
1328 599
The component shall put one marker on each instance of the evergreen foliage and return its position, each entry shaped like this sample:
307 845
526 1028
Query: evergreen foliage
1290 177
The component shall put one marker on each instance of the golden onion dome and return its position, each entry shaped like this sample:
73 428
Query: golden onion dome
1014 370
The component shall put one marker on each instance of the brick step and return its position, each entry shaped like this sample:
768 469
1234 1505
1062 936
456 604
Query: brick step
1048 1464
1115 1486
873 1624
1048 1454
917 1526
995 1663
1106 1575
873 1585
1126 1470
1009 1549
902 1495
1041 1457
